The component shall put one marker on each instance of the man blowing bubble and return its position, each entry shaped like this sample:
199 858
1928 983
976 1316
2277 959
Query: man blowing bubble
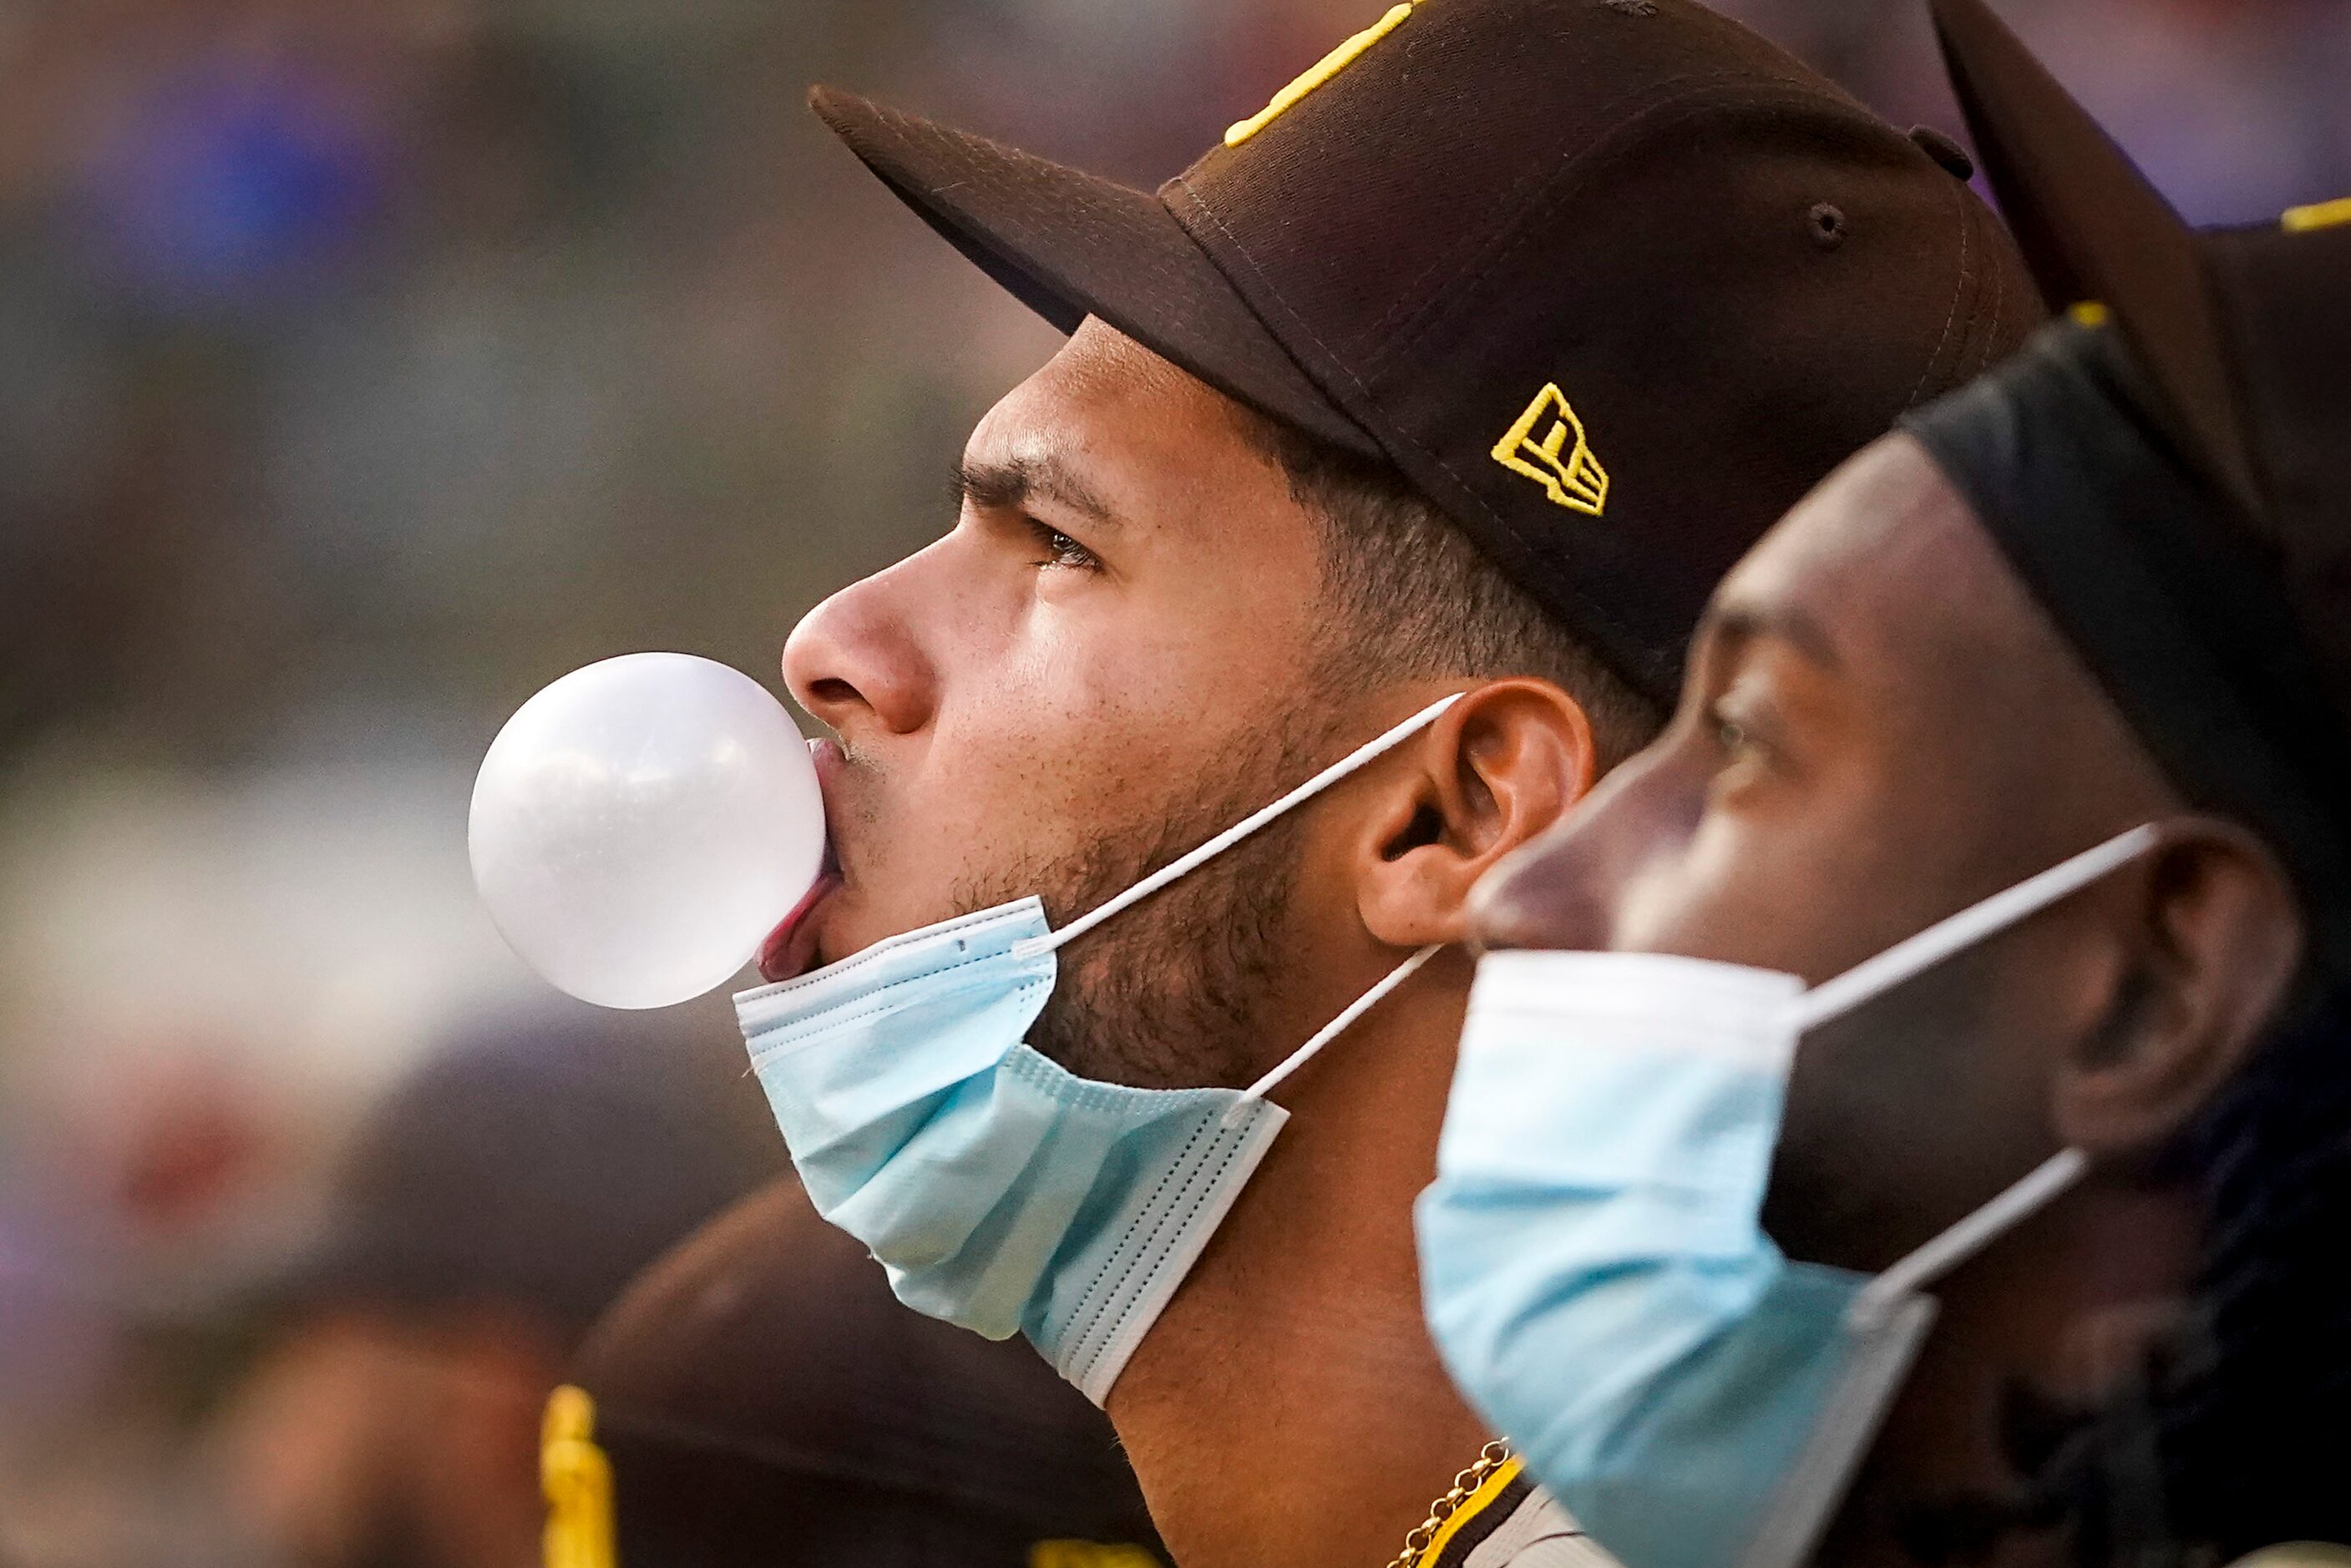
1930 1130
1393 450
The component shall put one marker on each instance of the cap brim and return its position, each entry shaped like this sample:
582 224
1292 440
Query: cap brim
2094 228
1069 246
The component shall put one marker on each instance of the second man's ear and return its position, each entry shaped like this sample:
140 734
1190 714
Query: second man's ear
2214 939
1503 764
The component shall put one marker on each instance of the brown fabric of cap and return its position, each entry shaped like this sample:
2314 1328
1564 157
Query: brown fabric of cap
2244 331
1732 274
2090 225
763 1399
464 1184
2234 659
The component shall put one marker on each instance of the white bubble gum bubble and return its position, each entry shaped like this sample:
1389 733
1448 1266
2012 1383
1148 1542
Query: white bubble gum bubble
639 825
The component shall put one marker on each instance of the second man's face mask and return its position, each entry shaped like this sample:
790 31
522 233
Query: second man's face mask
1001 1191
1592 1253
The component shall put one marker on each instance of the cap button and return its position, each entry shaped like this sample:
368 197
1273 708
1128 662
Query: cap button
1947 154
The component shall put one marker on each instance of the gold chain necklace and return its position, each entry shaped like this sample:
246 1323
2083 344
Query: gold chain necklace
1491 1457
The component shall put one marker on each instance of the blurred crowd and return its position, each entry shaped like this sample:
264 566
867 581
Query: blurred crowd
370 365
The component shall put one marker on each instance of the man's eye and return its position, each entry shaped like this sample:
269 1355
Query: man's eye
1732 735
1060 550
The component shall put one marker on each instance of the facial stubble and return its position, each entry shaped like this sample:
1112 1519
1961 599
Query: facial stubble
1170 994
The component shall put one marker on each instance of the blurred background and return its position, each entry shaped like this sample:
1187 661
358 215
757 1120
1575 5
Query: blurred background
363 368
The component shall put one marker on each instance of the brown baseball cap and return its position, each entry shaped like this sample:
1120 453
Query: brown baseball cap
2167 477
758 1397
1612 282
2244 329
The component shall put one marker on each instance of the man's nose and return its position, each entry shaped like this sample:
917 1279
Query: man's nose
1567 889
1538 897
1557 889
854 664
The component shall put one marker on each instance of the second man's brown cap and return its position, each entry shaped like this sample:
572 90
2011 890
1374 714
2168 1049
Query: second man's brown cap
2211 606
1612 282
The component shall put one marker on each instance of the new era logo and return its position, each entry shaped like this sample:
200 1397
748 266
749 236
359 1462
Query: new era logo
1548 446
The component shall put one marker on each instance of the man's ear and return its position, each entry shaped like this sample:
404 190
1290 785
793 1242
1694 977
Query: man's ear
2213 940
1499 766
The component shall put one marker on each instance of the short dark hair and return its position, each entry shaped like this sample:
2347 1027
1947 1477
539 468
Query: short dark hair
1416 599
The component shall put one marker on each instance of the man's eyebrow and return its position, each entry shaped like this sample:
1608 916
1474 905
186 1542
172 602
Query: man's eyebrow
1747 620
1014 483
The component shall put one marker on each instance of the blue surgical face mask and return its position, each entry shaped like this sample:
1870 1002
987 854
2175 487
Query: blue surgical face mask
1593 1260
999 1191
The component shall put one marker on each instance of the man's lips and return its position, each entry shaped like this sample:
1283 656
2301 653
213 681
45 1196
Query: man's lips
791 945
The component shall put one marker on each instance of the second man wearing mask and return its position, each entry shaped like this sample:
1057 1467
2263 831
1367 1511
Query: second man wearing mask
1933 1132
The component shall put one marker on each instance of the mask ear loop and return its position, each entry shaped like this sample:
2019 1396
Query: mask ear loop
1336 1027
1915 955
1876 1301
2049 1180
1363 756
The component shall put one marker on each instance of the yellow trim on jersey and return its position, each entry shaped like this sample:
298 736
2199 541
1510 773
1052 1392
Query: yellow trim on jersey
1089 1554
1475 1503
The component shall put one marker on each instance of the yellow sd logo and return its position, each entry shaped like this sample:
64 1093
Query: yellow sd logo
1569 473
